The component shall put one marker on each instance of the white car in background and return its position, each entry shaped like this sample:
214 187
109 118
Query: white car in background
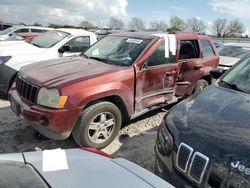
73 168
21 29
50 45
231 53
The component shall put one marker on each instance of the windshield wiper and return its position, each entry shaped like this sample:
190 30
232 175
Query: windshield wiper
36 45
84 55
233 86
98 59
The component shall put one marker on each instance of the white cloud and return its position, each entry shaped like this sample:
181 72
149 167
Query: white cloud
237 8
177 8
61 11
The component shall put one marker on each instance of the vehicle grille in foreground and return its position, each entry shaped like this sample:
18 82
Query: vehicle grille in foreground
26 90
198 162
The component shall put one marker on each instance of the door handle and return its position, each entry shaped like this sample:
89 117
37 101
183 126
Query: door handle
170 73
197 67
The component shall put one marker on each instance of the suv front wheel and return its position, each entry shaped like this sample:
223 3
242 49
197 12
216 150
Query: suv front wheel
201 84
98 125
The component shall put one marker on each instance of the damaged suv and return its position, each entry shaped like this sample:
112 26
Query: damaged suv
204 141
120 77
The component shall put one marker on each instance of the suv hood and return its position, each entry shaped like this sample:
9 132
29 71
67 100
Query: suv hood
215 122
2 37
18 48
79 168
228 61
65 70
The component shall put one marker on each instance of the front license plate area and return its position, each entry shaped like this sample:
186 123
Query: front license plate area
15 106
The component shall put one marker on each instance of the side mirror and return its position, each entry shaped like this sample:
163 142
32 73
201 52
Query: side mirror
145 65
64 48
216 73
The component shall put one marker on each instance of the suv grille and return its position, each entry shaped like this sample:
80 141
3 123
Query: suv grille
183 156
197 166
26 90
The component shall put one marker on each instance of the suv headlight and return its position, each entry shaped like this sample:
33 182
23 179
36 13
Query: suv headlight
4 59
165 139
51 98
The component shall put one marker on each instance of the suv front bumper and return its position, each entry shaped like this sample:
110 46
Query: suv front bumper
53 123
165 169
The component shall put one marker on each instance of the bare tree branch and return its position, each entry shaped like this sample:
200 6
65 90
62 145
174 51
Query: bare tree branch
136 24
158 25
196 25
115 23
219 26
234 29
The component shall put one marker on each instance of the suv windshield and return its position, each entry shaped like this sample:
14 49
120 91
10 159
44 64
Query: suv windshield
7 31
49 39
17 174
239 77
233 51
117 50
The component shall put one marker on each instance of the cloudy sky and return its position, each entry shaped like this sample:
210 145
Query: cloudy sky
99 11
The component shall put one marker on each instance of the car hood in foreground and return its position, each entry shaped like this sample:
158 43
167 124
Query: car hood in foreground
65 70
216 122
86 169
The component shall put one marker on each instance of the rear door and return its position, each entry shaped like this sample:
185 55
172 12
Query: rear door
155 82
191 66
208 53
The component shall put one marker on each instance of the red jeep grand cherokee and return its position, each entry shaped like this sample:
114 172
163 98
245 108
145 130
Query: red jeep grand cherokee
119 78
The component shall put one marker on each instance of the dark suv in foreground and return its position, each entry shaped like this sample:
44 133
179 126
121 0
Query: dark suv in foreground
204 141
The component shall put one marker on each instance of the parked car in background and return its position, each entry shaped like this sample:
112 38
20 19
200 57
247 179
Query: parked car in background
4 26
218 44
22 36
21 29
51 45
231 53
105 32
204 141
73 168
120 77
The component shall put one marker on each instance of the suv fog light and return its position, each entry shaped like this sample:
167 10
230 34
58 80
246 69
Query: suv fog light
44 122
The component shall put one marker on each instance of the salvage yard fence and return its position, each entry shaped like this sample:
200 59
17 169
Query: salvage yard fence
231 40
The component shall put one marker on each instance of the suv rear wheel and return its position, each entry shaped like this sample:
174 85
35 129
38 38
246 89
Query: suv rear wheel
97 125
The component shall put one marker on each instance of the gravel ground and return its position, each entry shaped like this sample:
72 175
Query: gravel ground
135 141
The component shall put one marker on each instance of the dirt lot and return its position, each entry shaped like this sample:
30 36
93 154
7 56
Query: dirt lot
135 141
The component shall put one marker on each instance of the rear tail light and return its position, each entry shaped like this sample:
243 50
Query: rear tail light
97 151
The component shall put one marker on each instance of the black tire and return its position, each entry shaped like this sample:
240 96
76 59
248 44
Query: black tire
201 84
84 135
12 80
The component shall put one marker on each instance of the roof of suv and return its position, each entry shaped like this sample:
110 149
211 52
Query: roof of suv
149 35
